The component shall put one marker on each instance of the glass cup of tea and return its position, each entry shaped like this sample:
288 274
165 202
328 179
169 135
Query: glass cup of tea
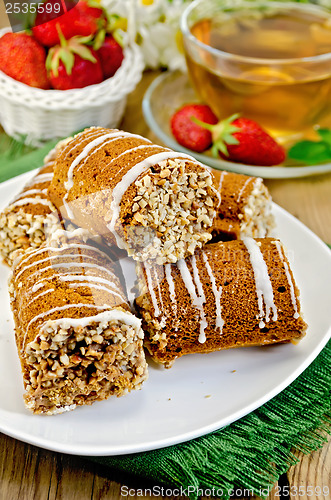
269 61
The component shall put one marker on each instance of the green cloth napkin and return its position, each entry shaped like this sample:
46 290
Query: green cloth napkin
249 454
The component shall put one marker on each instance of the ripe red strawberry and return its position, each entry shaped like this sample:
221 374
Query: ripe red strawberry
72 65
81 20
244 141
190 134
22 58
111 56
52 9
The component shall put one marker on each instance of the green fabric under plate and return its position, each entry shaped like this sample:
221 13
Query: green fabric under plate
249 454
254 451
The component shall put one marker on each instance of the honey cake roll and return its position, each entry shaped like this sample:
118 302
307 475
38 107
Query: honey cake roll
245 208
230 294
77 340
27 219
151 201
23 223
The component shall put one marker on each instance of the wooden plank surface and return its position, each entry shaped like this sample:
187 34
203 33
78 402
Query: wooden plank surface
312 475
30 473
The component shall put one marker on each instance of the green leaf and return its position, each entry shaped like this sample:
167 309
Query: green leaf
325 135
27 162
310 152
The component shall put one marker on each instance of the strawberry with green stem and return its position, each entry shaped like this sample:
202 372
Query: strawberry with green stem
72 64
84 19
242 140
192 135
110 53
23 58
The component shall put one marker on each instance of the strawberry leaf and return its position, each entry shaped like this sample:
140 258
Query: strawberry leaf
118 36
84 53
68 60
230 139
81 40
202 124
99 39
94 4
76 46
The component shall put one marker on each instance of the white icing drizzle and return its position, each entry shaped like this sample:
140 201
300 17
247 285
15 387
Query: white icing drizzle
40 178
69 183
29 192
113 315
47 259
136 148
89 147
101 139
85 277
202 298
157 311
117 138
32 201
220 186
217 294
128 178
79 138
263 284
60 249
57 309
289 279
172 291
241 192
197 301
41 295
163 319
79 232
36 287
72 276
97 287
83 265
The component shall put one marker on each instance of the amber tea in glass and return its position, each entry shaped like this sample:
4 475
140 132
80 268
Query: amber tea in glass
269 61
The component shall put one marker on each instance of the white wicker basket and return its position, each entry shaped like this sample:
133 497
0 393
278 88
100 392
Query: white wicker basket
41 115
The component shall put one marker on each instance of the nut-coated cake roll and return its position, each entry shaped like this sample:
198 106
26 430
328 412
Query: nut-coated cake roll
230 294
151 201
77 340
245 208
25 221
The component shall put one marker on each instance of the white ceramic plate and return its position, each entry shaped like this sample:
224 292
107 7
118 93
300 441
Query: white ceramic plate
158 109
200 394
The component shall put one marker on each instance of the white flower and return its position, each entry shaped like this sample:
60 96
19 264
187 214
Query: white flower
154 24
159 46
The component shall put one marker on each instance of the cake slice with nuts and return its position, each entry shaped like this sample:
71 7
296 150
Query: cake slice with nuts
31 216
245 207
25 222
77 340
155 203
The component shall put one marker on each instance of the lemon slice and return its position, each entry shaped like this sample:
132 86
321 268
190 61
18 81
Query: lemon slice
256 81
266 74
